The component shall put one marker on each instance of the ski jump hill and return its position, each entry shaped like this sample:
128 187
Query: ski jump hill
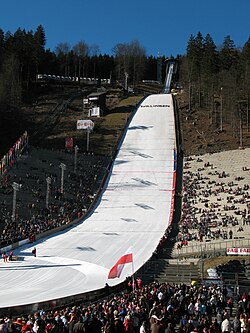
131 215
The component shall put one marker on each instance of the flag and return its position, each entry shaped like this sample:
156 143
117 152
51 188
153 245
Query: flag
116 270
69 143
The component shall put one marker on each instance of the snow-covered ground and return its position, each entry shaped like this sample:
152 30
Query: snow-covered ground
131 215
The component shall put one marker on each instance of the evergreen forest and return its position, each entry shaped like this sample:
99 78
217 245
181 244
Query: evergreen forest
215 77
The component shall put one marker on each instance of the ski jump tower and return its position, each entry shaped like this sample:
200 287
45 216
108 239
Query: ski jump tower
169 73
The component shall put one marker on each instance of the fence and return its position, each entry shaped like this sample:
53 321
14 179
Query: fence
210 249
14 153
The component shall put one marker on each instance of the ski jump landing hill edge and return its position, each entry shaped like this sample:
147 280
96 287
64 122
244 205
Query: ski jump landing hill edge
131 215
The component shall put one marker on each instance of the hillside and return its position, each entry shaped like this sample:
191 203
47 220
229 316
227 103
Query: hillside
200 136
52 116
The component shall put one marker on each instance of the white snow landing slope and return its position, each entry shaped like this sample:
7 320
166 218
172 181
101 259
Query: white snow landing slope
132 214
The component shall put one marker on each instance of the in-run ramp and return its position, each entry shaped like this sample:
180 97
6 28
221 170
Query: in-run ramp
132 214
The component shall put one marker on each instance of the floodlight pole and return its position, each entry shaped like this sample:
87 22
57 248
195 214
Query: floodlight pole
88 132
75 162
48 180
63 167
16 187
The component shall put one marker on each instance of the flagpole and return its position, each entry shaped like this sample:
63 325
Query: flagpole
133 270
133 278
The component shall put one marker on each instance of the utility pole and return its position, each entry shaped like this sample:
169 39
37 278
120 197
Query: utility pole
247 112
221 110
63 167
212 113
241 134
189 95
16 187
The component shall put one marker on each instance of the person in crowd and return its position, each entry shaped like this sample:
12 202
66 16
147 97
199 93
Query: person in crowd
34 251
11 255
155 324
144 327
5 256
236 325
79 326
226 325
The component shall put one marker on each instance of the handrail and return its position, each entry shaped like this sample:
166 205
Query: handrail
204 248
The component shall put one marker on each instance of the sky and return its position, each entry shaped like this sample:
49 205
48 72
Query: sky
162 27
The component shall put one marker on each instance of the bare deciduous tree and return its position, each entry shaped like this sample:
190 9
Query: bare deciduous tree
62 51
81 51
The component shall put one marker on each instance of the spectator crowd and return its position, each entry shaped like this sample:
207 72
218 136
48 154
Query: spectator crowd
216 203
32 217
155 307
212 206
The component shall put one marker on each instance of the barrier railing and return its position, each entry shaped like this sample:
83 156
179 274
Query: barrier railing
209 248
14 153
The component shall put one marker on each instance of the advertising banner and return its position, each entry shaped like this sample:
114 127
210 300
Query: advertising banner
95 112
84 124
238 251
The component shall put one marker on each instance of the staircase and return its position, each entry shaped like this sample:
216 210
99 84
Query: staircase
171 271
235 274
